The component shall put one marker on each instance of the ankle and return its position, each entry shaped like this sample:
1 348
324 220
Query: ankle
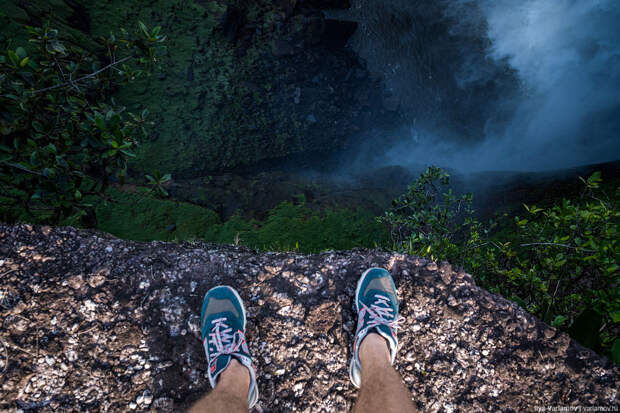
235 379
374 350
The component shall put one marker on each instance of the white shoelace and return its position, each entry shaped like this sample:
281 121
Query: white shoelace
381 313
221 337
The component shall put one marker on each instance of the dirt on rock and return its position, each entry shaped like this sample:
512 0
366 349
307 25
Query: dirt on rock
94 323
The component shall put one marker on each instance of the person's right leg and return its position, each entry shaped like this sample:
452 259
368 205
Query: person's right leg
375 346
231 393
382 389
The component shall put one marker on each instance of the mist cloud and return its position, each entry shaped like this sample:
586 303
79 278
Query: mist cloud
567 54
566 109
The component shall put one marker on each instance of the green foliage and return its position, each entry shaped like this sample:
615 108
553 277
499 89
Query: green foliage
61 137
559 262
138 214
157 182
428 222
297 227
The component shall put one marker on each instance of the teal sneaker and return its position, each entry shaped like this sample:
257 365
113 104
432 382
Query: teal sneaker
222 322
376 303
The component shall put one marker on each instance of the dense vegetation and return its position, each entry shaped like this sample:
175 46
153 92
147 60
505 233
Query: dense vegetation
560 262
62 137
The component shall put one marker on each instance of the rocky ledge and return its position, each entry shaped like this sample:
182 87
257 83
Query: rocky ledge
95 323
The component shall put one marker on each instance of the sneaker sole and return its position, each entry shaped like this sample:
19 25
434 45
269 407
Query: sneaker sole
238 298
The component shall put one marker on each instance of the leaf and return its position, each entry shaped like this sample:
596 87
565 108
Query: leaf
99 121
24 61
559 320
58 47
21 52
165 178
595 177
5 157
145 30
52 148
14 58
126 152
615 316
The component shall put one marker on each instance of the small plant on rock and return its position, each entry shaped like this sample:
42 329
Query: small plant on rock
157 181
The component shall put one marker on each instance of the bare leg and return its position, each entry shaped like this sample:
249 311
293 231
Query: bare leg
382 387
230 394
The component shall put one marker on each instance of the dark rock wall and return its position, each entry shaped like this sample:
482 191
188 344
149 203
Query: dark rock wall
434 57
90 322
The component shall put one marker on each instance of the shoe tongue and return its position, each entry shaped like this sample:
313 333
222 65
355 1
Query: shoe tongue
220 364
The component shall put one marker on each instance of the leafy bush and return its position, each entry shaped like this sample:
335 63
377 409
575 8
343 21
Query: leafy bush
62 137
428 222
560 263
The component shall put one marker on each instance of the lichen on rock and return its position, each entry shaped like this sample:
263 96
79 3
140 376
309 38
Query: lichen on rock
91 322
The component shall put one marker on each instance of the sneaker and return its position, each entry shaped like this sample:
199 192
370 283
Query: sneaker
222 322
376 303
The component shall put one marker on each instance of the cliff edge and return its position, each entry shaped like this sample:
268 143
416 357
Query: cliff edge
94 323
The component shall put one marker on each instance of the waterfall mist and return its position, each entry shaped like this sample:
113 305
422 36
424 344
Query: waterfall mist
510 85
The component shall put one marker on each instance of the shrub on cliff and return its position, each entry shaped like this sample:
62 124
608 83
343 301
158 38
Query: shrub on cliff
62 137
560 263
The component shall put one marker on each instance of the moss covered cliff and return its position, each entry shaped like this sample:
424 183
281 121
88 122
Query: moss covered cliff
241 82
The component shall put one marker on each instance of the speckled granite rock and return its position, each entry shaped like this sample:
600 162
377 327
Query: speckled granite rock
94 323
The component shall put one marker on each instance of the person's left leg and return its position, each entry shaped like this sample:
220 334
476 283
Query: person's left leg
381 388
230 369
231 393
